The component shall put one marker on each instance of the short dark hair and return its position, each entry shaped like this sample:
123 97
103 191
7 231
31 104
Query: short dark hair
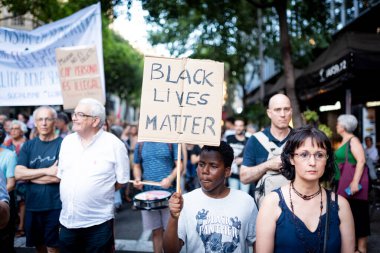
241 119
297 138
230 119
63 116
224 150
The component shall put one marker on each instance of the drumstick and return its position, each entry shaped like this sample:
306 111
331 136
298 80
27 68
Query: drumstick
147 182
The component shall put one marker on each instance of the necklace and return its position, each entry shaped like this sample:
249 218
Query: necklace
306 197
296 222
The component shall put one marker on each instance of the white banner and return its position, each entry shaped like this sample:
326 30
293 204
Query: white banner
28 69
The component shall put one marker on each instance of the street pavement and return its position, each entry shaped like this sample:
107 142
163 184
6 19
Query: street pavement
130 236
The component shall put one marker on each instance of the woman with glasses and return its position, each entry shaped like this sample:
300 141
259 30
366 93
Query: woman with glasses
352 150
293 218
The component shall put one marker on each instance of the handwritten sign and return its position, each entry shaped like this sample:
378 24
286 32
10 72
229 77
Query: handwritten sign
79 74
181 101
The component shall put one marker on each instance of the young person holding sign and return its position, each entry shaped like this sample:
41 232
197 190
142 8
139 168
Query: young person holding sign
213 216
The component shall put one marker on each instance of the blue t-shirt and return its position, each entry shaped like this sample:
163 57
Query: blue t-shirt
3 188
157 161
255 153
292 235
37 154
8 161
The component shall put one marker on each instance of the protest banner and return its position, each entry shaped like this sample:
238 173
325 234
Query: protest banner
181 101
28 70
79 75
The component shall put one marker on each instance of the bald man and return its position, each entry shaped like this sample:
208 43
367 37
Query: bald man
262 151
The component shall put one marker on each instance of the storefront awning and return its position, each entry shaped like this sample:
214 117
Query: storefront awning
351 56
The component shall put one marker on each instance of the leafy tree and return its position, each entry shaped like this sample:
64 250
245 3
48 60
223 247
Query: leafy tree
123 67
228 31
312 118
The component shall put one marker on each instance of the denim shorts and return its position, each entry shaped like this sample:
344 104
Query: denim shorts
42 228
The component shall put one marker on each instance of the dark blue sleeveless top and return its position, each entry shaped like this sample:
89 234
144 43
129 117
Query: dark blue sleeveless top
292 235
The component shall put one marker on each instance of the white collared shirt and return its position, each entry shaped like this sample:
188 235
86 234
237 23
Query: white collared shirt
88 176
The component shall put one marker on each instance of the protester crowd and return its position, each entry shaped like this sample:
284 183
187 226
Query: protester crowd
63 176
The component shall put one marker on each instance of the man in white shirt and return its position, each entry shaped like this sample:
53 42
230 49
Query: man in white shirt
92 165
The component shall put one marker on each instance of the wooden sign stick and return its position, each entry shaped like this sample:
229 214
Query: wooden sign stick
179 168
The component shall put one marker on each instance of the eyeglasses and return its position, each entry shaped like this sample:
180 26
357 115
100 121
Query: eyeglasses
15 128
318 156
81 115
40 120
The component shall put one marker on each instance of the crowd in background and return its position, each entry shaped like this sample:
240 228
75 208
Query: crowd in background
236 133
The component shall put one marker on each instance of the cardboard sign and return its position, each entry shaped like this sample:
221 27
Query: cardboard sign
181 101
79 75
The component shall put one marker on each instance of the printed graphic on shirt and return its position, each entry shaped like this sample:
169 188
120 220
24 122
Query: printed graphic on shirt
43 159
219 234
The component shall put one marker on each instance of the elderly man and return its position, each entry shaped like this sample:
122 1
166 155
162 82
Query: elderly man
92 165
37 164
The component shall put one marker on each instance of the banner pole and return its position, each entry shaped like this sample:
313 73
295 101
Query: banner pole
179 168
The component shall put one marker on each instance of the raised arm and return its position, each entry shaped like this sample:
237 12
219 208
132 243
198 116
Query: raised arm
172 243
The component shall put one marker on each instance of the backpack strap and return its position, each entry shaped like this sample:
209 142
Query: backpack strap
270 146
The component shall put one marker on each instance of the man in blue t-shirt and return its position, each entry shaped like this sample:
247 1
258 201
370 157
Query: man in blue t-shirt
154 161
37 164
255 159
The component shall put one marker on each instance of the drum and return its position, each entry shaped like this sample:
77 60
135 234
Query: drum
152 200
